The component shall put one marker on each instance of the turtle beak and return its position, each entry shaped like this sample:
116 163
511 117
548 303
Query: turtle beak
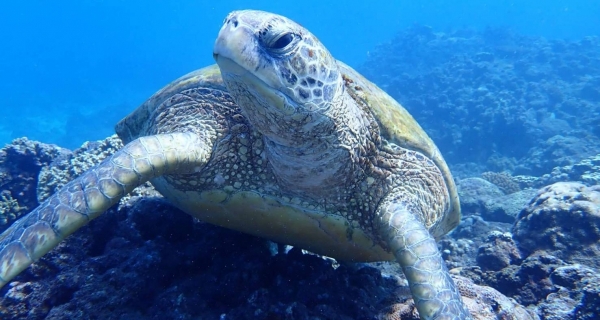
234 40
231 42
240 59
238 42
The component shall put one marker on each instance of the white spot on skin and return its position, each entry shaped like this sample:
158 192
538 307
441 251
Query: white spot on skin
219 179
370 180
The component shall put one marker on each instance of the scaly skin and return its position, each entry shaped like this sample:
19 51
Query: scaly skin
307 140
433 290
291 88
88 196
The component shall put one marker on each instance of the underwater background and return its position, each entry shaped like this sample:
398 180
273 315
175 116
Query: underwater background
508 90
69 70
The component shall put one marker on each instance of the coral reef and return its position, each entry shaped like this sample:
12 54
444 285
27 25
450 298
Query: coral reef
558 151
507 207
577 288
20 164
493 101
564 220
503 180
70 166
548 260
558 290
10 208
484 198
461 247
475 193
517 103
145 259
587 171
481 301
499 251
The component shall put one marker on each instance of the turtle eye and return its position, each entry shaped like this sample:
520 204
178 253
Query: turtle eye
283 41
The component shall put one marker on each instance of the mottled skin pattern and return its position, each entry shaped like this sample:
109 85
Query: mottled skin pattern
324 142
284 142
88 196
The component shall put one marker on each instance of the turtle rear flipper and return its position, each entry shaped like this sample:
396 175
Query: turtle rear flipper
432 288
88 196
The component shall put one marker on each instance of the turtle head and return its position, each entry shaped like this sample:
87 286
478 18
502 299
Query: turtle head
280 74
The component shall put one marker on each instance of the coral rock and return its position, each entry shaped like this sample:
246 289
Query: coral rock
475 192
506 208
498 252
20 164
564 219
482 302
503 180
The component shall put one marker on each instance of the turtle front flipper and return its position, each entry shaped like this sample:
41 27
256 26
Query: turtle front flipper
432 288
88 196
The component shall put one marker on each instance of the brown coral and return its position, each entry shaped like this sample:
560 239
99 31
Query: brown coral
503 180
69 167
20 164
60 172
10 209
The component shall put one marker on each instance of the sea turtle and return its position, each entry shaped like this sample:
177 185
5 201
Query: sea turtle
282 141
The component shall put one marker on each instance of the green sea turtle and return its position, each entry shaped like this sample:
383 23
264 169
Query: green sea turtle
282 141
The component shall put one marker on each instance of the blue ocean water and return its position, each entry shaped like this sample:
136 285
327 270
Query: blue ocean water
71 69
